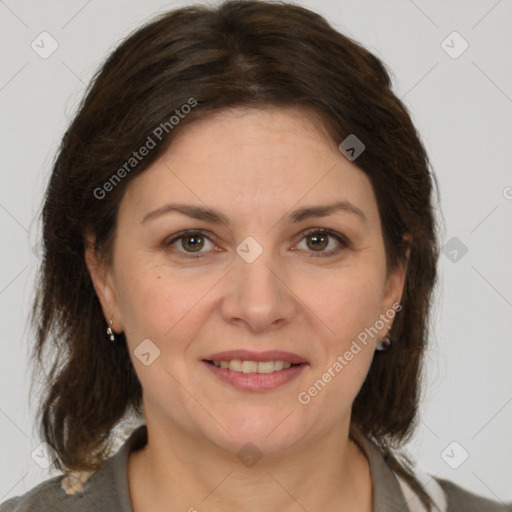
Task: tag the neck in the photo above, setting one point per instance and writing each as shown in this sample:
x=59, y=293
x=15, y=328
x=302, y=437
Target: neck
x=177, y=471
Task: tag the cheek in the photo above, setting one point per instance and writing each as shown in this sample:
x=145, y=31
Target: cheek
x=345, y=351
x=158, y=304
x=346, y=302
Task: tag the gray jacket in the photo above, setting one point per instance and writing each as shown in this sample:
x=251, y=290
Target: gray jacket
x=106, y=490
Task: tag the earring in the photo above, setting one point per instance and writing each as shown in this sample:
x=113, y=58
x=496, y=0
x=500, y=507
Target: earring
x=110, y=332
x=383, y=344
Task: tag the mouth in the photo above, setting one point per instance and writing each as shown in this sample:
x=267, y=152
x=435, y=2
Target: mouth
x=248, y=366
x=255, y=371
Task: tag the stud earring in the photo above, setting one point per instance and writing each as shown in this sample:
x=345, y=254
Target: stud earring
x=110, y=332
x=383, y=344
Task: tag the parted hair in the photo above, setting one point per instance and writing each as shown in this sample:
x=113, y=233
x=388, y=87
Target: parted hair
x=236, y=54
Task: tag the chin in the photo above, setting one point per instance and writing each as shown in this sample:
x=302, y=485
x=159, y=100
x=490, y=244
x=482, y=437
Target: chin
x=267, y=434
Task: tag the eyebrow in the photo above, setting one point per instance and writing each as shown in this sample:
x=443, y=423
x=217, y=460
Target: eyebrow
x=215, y=216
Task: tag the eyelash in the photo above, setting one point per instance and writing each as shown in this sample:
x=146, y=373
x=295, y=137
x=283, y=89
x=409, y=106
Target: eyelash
x=342, y=240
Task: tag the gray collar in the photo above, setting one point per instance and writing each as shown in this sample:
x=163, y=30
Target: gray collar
x=387, y=495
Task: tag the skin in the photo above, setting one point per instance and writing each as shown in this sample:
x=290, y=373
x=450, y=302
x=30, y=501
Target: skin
x=255, y=166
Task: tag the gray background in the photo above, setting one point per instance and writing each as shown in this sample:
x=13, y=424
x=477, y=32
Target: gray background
x=462, y=107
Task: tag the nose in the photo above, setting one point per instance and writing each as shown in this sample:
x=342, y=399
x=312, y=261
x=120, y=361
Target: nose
x=258, y=295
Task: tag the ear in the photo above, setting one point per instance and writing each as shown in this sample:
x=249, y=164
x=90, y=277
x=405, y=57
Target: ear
x=393, y=291
x=103, y=283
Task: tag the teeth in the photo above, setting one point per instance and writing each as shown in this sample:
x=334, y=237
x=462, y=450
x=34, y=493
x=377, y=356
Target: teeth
x=266, y=367
x=237, y=365
x=279, y=365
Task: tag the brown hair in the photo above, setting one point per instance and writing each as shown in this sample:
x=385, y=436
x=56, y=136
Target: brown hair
x=240, y=53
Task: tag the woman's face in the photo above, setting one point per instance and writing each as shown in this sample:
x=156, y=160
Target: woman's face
x=266, y=278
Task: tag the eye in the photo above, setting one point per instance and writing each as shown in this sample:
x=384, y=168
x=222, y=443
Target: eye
x=189, y=243
x=317, y=239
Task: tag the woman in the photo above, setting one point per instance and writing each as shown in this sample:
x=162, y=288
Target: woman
x=240, y=253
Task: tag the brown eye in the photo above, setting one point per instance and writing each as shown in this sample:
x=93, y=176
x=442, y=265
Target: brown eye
x=194, y=243
x=317, y=242
x=189, y=244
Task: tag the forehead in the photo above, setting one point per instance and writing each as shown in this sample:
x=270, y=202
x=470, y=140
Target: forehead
x=256, y=162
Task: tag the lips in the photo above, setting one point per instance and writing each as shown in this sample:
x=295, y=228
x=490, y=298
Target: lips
x=249, y=355
x=256, y=382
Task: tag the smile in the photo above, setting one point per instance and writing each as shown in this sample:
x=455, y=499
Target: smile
x=250, y=376
x=244, y=366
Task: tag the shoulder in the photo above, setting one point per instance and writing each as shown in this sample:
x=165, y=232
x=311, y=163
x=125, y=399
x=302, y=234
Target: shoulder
x=104, y=489
x=463, y=500
x=72, y=493
x=396, y=474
